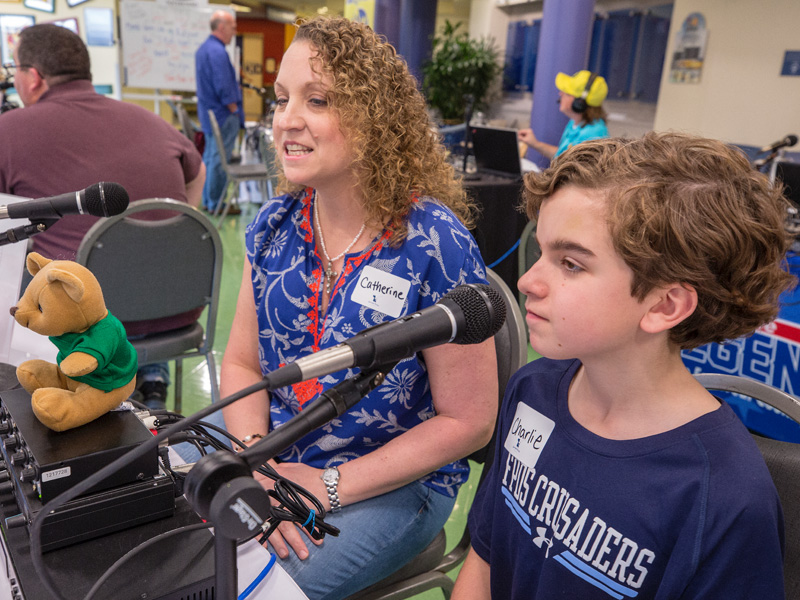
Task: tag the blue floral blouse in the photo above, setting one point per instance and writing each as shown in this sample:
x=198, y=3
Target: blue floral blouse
x=378, y=284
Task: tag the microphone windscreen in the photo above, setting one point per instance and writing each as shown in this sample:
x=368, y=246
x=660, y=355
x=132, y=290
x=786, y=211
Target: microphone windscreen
x=484, y=312
x=791, y=139
x=105, y=199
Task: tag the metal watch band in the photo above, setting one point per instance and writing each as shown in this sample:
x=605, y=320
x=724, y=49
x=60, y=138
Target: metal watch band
x=333, y=493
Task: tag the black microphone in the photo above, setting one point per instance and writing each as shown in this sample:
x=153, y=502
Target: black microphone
x=100, y=200
x=469, y=314
x=787, y=142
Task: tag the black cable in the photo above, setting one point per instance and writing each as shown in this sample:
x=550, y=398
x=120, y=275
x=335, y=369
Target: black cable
x=135, y=550
x=296, y=509
x=288, y=494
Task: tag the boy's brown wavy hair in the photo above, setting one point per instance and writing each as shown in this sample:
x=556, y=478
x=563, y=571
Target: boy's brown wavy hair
x=685, y=209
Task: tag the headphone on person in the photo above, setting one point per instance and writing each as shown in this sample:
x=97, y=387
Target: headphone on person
x=579, y=104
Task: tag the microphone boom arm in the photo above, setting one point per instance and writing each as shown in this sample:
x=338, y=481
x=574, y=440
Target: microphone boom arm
x=23, y=232
x=330, y=404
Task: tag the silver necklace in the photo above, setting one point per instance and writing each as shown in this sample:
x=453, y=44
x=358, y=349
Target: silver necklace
x=330, y=274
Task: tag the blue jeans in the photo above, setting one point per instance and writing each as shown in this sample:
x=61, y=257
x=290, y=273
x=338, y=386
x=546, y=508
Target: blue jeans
x=216, y=179
x=154, y=372
x=378, y=536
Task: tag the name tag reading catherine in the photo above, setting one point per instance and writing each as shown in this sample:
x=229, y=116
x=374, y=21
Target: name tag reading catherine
x=528, y=435
x=381, y=291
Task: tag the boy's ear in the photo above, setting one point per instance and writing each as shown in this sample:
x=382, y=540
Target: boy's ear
x=670, y=305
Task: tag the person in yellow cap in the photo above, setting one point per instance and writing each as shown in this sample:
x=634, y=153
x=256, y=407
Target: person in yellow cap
x=580, y=97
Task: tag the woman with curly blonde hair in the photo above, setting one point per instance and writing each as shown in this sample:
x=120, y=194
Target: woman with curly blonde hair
x=371, y=227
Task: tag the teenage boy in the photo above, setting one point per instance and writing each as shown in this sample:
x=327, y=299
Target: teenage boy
x=617, y=475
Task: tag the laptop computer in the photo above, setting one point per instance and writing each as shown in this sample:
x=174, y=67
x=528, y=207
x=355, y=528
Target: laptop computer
x=496, y=151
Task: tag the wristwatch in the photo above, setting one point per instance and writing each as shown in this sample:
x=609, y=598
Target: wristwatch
x=330, y=477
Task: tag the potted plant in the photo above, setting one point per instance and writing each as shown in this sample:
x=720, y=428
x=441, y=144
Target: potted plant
x=459, y=68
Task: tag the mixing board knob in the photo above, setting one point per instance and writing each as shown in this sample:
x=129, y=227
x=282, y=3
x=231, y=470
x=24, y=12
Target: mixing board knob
x=29, y=473
x=11, y=442
x=20, y=457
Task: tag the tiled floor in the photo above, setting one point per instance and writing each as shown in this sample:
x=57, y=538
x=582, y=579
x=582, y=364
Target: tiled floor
x=624, y=119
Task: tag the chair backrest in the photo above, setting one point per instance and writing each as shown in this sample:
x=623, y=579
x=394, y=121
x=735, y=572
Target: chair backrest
x=155, y=269
x=511, y=348
x=783, y=462
x=266, y=149
x=511, y=342
x=528, y=253
x=223, y=157
x=787, y=404
x=185, y=122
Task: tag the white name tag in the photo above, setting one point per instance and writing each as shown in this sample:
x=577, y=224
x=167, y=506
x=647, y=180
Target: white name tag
x=381, y=291
x=528, y=435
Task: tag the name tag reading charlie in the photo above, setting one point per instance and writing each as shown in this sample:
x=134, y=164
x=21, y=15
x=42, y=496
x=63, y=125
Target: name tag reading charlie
x=381, y=291
x=528, y=435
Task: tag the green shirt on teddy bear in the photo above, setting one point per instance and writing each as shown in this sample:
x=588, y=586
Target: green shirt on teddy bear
x=107, y=341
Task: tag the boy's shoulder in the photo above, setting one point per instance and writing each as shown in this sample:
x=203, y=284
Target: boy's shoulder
x=543, y=369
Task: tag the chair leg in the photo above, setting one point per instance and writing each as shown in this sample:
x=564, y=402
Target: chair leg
x=447, y=590
x=234, y=199
x=263, y=189
x=212, y=376
x=223, y=200
x=270, y=192
x=178, y=385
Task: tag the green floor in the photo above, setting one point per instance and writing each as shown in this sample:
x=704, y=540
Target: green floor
x=196, y=387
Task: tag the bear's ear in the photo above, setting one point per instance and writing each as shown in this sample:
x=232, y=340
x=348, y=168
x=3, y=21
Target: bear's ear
x=35, y=262
x=73, y=285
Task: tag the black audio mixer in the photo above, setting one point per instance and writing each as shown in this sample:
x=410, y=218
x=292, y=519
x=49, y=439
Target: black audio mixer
x=83, y=538
x=41, y=463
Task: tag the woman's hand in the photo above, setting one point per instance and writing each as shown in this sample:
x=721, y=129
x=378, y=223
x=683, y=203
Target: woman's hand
x=289, y=534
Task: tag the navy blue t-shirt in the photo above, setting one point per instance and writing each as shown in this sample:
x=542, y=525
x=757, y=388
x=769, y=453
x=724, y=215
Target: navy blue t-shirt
x=564, y=513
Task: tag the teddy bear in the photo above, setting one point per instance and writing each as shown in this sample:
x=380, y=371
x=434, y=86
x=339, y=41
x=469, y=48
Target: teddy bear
x=96, y=368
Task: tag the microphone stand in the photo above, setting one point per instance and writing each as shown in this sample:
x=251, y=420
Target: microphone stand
x=17, y=234
x=469, y=99
x=221, y=488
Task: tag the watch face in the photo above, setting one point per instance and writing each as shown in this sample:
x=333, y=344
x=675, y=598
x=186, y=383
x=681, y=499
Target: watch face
x=330, y=476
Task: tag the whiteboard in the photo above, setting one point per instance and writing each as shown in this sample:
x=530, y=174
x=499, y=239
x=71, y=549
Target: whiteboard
x=159, y=42
x=12, y=263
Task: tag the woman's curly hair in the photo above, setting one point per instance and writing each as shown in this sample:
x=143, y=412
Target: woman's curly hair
x=398, y=151
x=684, y=209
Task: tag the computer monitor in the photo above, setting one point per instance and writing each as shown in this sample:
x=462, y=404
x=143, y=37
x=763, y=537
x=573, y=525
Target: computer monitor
x=496, y=151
